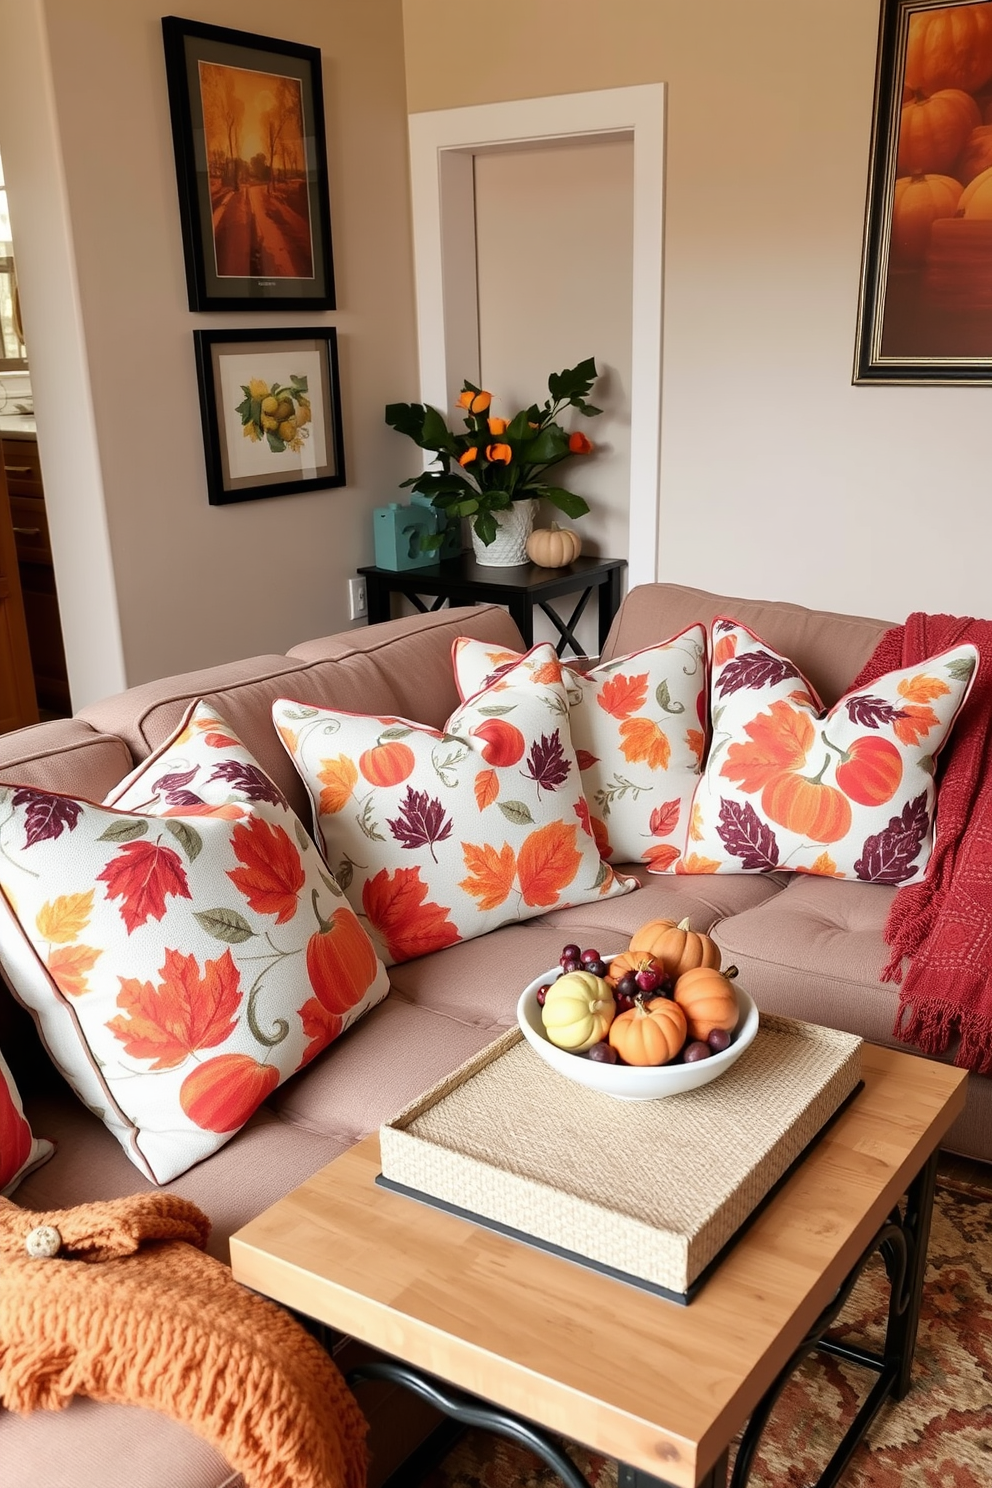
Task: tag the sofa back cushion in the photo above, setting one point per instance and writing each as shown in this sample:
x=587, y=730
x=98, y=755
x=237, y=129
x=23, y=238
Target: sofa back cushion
x=829, y=649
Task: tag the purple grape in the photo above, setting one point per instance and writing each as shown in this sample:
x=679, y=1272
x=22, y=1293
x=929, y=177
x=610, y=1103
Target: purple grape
x=718, y=1040
x=571, y=952
x=647, y=980
x=589, y=955
x=596, y=968
x=628, y=984
x=567, y=966
x=602, y=1054
x=695, y=1051
x=542, y=993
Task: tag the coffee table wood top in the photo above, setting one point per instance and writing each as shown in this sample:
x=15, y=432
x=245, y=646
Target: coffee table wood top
x=662, y=1387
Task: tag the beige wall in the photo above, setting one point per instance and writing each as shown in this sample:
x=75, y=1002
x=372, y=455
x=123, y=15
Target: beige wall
x=84, y=126
x=779, y=478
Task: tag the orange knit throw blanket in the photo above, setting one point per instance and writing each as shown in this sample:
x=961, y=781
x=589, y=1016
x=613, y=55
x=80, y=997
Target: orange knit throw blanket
x=132, y=1311
x=943, y=924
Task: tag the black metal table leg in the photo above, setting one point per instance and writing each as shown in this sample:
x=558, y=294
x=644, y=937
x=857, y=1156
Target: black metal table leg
x=566, y=628
x=377, y=599
x=610, y=595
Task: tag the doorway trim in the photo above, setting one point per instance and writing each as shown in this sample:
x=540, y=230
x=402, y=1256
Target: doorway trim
x=443, y=146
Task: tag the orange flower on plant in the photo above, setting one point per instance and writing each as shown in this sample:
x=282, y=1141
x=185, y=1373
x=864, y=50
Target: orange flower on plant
x=497, y=452
x=497, y=425
x=578, y=444
x=469, y=455
x=475, y=402
x=780, y=741
x=642, y=739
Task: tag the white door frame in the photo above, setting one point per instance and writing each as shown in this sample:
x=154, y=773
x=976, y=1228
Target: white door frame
x=443, y=144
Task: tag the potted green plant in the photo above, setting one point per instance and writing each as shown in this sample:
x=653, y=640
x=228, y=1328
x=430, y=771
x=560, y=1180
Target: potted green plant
x=494, y=471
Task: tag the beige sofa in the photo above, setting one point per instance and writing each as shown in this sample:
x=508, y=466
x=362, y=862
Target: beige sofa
x=804, y=946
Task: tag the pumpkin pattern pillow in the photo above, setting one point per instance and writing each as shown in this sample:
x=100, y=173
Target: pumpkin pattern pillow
x=20, y=1151
x=181, y=960
x=439, y=835
x=845, y=794
x=637, y=726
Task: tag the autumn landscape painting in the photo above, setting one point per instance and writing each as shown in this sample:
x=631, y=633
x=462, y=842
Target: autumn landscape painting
x=256, y=162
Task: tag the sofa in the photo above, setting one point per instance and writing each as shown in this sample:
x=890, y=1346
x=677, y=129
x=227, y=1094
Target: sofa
x=805, y=946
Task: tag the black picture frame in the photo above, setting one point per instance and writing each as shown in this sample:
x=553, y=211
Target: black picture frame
x=256, y=226
x=925, y=301
x=239, y=371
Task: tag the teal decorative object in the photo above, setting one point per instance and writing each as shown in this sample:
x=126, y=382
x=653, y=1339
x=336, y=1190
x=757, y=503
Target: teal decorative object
x=397, y=531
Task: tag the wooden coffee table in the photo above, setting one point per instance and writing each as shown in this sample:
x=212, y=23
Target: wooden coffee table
x=498, y=1333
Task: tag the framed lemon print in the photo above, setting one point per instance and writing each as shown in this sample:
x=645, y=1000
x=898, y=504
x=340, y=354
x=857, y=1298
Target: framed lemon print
x=925, y=311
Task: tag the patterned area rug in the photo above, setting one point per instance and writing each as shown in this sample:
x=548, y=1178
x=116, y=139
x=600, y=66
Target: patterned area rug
x=940, y=1436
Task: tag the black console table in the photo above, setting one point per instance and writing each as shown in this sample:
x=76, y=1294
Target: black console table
x=462, y=581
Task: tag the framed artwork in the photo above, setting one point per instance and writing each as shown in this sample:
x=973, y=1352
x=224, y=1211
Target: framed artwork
x=270, y=406
x=925, y=312
x=251, y=163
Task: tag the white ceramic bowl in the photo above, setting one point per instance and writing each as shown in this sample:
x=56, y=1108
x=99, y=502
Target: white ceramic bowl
x=627, y=1081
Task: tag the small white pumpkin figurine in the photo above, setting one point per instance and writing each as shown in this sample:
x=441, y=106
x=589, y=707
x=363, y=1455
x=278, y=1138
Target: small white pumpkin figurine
x=554, y=546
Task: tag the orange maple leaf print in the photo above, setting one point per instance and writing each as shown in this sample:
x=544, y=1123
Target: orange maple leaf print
x=621, y=696
x=491, y=873
x=922, y=689
x=184, y=1013
x=661, y=857
x=694, y=742
x=823, y=866
x=65, y=918
x=271, y=873
x=141, y=874
x=320, y=1026
x=581, y=809
x=601, y=835
x=724, y=649
x=547, y=862
x=69, y=966
x=548, y=671
x=486, y=788
x=339, y=777
x=780, y=741
x=694, y=863
x=642, y=739
x=914, y=724
x=394, y=903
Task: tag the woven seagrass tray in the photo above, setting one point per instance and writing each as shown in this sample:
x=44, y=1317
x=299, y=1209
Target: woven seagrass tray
x=651, y=1191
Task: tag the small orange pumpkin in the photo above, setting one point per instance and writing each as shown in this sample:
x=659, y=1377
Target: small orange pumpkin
x=808, y=807
x=678, y=948
x=632, y=961
x=387, y=764
x=651, y=1033
x=708, y=1000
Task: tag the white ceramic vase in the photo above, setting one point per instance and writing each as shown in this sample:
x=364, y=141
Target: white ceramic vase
x=509, y=548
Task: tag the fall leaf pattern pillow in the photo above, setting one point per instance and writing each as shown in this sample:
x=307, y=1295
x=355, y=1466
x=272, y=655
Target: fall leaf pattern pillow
x=844, y=794
x=637, y=726
x=181, y=960
x=20, y=1152
x=440, y=835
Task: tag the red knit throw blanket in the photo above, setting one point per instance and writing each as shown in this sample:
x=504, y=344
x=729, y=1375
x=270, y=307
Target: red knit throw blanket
x=943, y=924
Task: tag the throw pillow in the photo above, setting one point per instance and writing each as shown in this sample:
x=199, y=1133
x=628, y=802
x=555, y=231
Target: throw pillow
x=440, y=835
x=20, y=1152
x=637, y=726
x=181, y=960
x=846, y=794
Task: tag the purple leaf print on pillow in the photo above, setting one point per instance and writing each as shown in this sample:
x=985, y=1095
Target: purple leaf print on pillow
x=747, y=837
x=421, y=821
x=184, y=798
x=869, y=712
x=252, y=782
x=175, y=781
x=754, y=669
x=546, y=763
x=889, y=857
x=46, y=816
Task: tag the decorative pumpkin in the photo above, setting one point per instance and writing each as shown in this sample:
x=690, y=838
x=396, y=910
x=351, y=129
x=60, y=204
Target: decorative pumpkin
x=976, y=155
x=503, y=743
x=387, y=764
x=708, y=1001
x=870, y=771
x=916, y=204
x=220, y=1094
x=933, y=131
x=578, y=1010
x=950, y=47
x=340, y=961
x=651, y=1033
x=632, y=961
x=808, y=807
x=976, y=198
x=678, y=948
x=554, y=546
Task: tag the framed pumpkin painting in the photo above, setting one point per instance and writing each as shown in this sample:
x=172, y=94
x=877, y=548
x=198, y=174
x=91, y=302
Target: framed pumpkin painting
x=251, y=165
x=925, y=312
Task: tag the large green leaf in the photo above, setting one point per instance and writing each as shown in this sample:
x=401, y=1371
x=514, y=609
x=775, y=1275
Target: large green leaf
x=485, y=527
x=551, y=444
x=566, y=501
x=573, y=382
x=436, y=434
